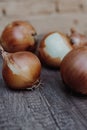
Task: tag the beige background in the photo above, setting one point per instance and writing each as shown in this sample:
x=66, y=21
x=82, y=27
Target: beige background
x=46, y=15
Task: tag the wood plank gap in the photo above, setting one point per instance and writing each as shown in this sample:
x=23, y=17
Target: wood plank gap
x=48, y=105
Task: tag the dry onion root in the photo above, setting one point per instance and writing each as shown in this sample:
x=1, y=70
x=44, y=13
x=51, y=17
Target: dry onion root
x=53, y=47
x=74, y=70
x=18, y=36
x=21, y=70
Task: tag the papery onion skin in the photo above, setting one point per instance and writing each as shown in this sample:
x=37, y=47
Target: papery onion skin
x=45, y=57
x=74, y=70
x=77, y=39
x=18, y=36
x=21, y=70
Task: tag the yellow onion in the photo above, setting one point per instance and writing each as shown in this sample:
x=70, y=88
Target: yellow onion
x=21, y=69
x=18, y=36
x=53, y=47
x=77, y=39
x=74, y=70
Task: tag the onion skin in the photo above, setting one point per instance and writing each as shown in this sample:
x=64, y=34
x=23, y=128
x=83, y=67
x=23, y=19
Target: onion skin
x=74, y=70
x=21, y=70
x=18, y=36
x=45, y=57
x=77, y=39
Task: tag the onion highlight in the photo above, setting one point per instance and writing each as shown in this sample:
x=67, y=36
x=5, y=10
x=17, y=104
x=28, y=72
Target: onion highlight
x=18, y=36
x=53, y=47
x=21, y=70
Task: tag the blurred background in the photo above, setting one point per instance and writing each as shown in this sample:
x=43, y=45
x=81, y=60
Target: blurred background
x=46, y=15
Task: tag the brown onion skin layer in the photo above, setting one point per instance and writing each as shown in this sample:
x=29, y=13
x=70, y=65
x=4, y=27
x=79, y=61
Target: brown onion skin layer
x=45, y=57
x=22, y=59
x=74, y=70
x=77, y=39
x=18, y=36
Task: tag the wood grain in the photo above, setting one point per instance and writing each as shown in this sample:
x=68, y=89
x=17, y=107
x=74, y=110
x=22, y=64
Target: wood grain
x=40, y=7
x=29, y=7
x=72, y=5
x=48, y=23
x=61, y=106
x=50, y=107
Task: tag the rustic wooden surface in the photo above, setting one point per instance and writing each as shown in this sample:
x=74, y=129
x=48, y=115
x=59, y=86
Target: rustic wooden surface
x=52, y=106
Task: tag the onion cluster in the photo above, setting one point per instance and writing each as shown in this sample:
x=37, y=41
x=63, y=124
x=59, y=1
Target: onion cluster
x=21, y=68
x=73, y=67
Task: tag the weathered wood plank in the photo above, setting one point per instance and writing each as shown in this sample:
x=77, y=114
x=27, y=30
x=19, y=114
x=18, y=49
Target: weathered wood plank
x=29, y=7
x=64, y=111
x=84, y=5
x=24, y=110
x=71, y=5
x=38, y=7
x=80, y=102
x=55, y=22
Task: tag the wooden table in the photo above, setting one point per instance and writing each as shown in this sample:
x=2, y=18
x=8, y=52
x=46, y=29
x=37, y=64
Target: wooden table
x=51, y=106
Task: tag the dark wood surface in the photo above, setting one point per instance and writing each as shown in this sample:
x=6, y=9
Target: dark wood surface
x=50, y=107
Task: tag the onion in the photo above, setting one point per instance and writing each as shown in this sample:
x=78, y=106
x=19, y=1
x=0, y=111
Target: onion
x=77, y=39
x=53, y=47
x=21, y=69
x=74, y=70
x=18, y=36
